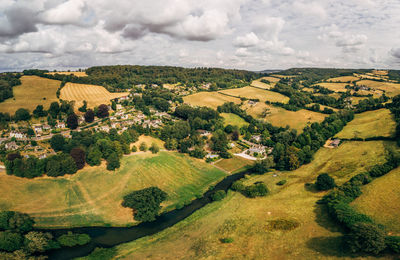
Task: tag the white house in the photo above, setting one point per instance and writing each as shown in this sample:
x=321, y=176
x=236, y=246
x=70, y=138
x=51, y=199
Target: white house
x=17, y=135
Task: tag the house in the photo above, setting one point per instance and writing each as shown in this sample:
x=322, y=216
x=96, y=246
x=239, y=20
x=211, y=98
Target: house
x=119, y=106
x=256, y=138
x=46, y=127
x=203, y=132
x=122, y=99
x=335, y=143
x=42, y=156
x=17, y=135
x=60, y=125
x=212, y=156
x=38, y=129
x=105, y=128
x=81, y=120
x=252, y=102
x=124, y=116
x=259, y=149
x=11, y=146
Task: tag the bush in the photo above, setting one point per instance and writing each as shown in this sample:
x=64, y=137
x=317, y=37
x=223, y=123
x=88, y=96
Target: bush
x=143, y=147
x=70, y=239
x=348, y=216
x=366, y=238
x=258, y=189
x=154, y=148
x=325, y=182
x=238, y=186
x=282, y=182
x=10, y=241
x=393, y=243
x=218, y=195
x=226, y=240
x=134, y=149
x=16, y=221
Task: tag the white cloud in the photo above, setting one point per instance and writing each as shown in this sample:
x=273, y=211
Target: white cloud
x=248, y=40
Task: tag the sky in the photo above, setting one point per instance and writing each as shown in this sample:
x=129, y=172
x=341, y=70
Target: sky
x=242, y=34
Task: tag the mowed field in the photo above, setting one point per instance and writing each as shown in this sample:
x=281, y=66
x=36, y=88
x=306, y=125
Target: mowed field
x=370, y=124
x=337, y=87
x=248, y=221
x=93, y=94
x=75, y=73
x=209, y=99
x=256, y=93
x=391, y=89
x=33, y=91
x=278, y=116
x=93, y=196
x=343, y=79
x=257, y=83
x=233, y=119
x=233, y=164
x=381, y=201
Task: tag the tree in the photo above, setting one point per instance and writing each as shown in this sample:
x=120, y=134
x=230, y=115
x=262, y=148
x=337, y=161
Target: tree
x=83, y=107
x=79, y=157
x=113, y=162
x=261, y=167
x=218, y=195
x=54, y=109
x=325, y=182
x=235, y=135
x=37, y=241
x=16, y=221
x=57, y=142
x=39, y=112
x=102, y=111
x=10, y=241
x=258, y=189
x=70, y=239
x=143, y=147
x=89, y=116
x=22, y=114
x=154, y=148
x=72, y=121
x=367, y=238
x=145, y=203
x=94, y=156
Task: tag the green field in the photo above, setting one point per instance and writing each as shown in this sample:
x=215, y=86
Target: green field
x=93, y=196
x=381, y=201
x=370, y=124
x=247, y=220
x=233, y=164
x=233, y=119
x=33, y=91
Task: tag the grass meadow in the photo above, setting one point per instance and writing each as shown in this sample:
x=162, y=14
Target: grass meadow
x=256, y=93
x=33, y=91
x=93, y=196
x=233, y=119
x=249, y=222
x=343, y=79
x=391, y=89
x=233, y=164
x=370, y=124
x=209, y=99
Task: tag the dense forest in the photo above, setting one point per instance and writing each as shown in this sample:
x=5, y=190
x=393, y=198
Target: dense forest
x=7, y=82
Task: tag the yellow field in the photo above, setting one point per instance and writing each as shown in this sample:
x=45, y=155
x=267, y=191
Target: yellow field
x=343, y=79
x=262, y=95
x=93, y=195
x=337, y=87
x=246, y=220
x=370, y=124
x=278, y=116
x=233, y=119
x=257, y=83
x=75, y=73
x=233, y=164
x=93, y=94
x=282, y=76
x=381, y=201
x=391, y=89
x=322, y=107
x=149, y=140
x=209, y=99
x=33, y=91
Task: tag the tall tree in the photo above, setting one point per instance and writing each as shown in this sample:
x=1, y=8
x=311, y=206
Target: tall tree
x=102, y=111
x=89, y=116
x=79, y=157
x=72, y=121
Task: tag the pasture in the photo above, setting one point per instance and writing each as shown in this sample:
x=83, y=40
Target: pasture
x=257, y=83
x=233, y=119
x=256, y=93
x=247, y=221
x=148, y=140
x=370, y=124
x=75, y=73
x=233, y=164
x=390, y=89
x=381, y=201
x=337, y=87
x=93, y=94
x=33, y=91
x=93, y=196
x=343, y=79
x=278, y=116
x=209, y=99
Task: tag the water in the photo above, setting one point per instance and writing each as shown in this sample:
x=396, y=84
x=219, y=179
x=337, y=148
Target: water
x=111, y=236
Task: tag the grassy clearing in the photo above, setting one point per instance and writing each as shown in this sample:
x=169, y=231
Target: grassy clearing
x=75, y=73
x=255, y=225
x=281, y=117
x=343, y=79
x=233, y=119
x=391, y=89
x=337, y=87
x=256, y=93
x=322, y=107
x=370, y=124
x=33, y=91
x=233, y=164
x=93, y=196
x=93, y=94
x=257, y=83
x=381, y=201
x=209, y=99
x=148, y=140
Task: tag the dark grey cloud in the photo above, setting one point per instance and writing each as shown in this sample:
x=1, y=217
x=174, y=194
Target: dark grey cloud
x=18, y=20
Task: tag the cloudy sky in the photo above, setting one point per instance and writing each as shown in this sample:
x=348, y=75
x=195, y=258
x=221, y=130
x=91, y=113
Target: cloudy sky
x=244, y=34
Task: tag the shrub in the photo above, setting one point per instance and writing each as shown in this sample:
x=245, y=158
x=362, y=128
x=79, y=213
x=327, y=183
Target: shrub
x=258, y=189
x=143, y=147
x=154, y=148
x=10, y=241
x=238, y=186
x=70, y=239
x=325, y=182
x=134, y=149
x=367, y=238
x=348, y=216
x=393, y=243
x=282, y=182
x=16, y=221
x=226, y=240
x=218, y=195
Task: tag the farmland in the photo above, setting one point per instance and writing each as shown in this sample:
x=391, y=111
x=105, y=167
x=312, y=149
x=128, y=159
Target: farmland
x=255, y=93
x=343, y=79
x=370, y=124
x=257, y=83
x=232, y=119
x=391, y=89
x=381, y=201
x=337, y=87
x=233, y=164
x=209, y=99
x=93, y=195
x=75, y=73
x=94, y=95
x=246, y=220
x=32, y=92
